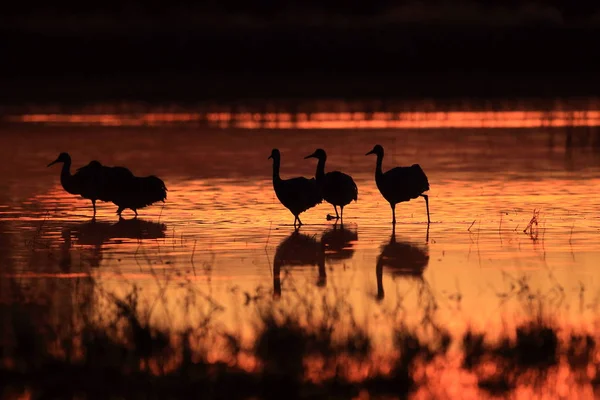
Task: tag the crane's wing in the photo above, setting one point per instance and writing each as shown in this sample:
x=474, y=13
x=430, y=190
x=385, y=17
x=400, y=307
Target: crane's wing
x=302, y=193
x=342, y=183
x=89, y=179
x=412, y=177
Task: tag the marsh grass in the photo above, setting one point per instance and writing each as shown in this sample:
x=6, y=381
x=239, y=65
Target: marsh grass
x=532, y=227
x=298, y=352
x=305, y=345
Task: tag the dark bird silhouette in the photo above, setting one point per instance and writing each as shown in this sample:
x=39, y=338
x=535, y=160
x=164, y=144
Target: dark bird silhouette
x=111, y=184
x=337, y=242
x=401, y=259
x=109, y=180
x=401, y=183
x=337, y=188
x=139, y=192
x=298, y=250
x=296, y=194
x=86, y=181
x=120, y=186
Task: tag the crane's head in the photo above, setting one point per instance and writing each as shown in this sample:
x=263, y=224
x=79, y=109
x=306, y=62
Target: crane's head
x=377, y=150
x=274, y=154
x=319, y=154
x=62, y=157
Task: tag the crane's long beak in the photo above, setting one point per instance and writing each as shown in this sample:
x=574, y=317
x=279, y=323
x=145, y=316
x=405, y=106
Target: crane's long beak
x=52, y=163
x=310, y=156
x=270, y=157
x=371, y=152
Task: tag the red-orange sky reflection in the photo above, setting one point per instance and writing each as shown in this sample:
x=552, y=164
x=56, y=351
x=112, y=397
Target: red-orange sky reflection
x=219, y=233
x=329, y=120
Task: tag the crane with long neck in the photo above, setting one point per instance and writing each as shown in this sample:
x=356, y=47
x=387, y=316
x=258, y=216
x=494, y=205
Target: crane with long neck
x=338, y=189
x=296, y=194
x=401, y=183
x=85, y=182
x=112, y=184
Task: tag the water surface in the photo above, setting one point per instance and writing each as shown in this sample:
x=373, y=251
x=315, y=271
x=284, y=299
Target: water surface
x=223, y=231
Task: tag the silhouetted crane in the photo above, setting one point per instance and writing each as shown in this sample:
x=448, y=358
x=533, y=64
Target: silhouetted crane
x=296, y=194
x=120, y=186
x=85, y=182
x=140, y=192
x=115, y=184
x=337, y=188
x=401, y=183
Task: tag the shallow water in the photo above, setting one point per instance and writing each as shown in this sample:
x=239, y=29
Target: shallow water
x=223, y=229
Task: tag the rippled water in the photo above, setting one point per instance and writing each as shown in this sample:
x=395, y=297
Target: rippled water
x=223, y=229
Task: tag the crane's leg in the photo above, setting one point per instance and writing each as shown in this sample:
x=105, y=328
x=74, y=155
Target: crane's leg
x=394, y=214
x=342, y=214
x=379, y=275
x=94, y=206
x=426, y=197
x=119, y=211
x=135, y=211
x=299, y=222
x=295, y=219
x=337, y=216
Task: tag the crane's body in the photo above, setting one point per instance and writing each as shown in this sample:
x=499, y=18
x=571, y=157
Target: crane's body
x=296, y=194
x=111, y=184
x=338, y=188
x=400, y=184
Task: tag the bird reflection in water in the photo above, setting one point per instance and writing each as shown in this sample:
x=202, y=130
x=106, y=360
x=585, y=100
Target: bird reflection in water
x=96, y=233
x=65, y=251
x=401, y=259
x=338, y=243
x=298, y=250
x=302, y=250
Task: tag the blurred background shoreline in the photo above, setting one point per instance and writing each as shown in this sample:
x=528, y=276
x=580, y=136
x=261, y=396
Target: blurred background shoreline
x=225, y=51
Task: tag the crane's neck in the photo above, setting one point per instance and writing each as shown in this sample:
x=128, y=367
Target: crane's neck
x=320, y=174
x=66, y=179
x=65, y=173
x=276, y=163
x=378, y=171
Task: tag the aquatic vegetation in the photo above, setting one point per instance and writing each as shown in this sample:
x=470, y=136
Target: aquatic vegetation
x=532, y=227
x=302, y=351
x=193, y=303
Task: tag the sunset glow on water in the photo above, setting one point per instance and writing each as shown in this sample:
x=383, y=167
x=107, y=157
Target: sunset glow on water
x=223, y=232
x=329, y=120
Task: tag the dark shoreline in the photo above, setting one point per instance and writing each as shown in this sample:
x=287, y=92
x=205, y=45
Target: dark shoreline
x=401, y=62
x=228, y=90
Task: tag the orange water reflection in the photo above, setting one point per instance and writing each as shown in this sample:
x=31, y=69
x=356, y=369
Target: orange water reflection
x=223, y=232
x=329, y=120
x=481, y=262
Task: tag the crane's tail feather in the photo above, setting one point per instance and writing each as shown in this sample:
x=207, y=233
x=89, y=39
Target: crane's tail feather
x=140, y=192
x=151, y=189
x=420, y=177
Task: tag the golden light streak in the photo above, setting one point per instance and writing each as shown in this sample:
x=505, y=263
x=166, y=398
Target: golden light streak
x=235, y=225
x=330, y=120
